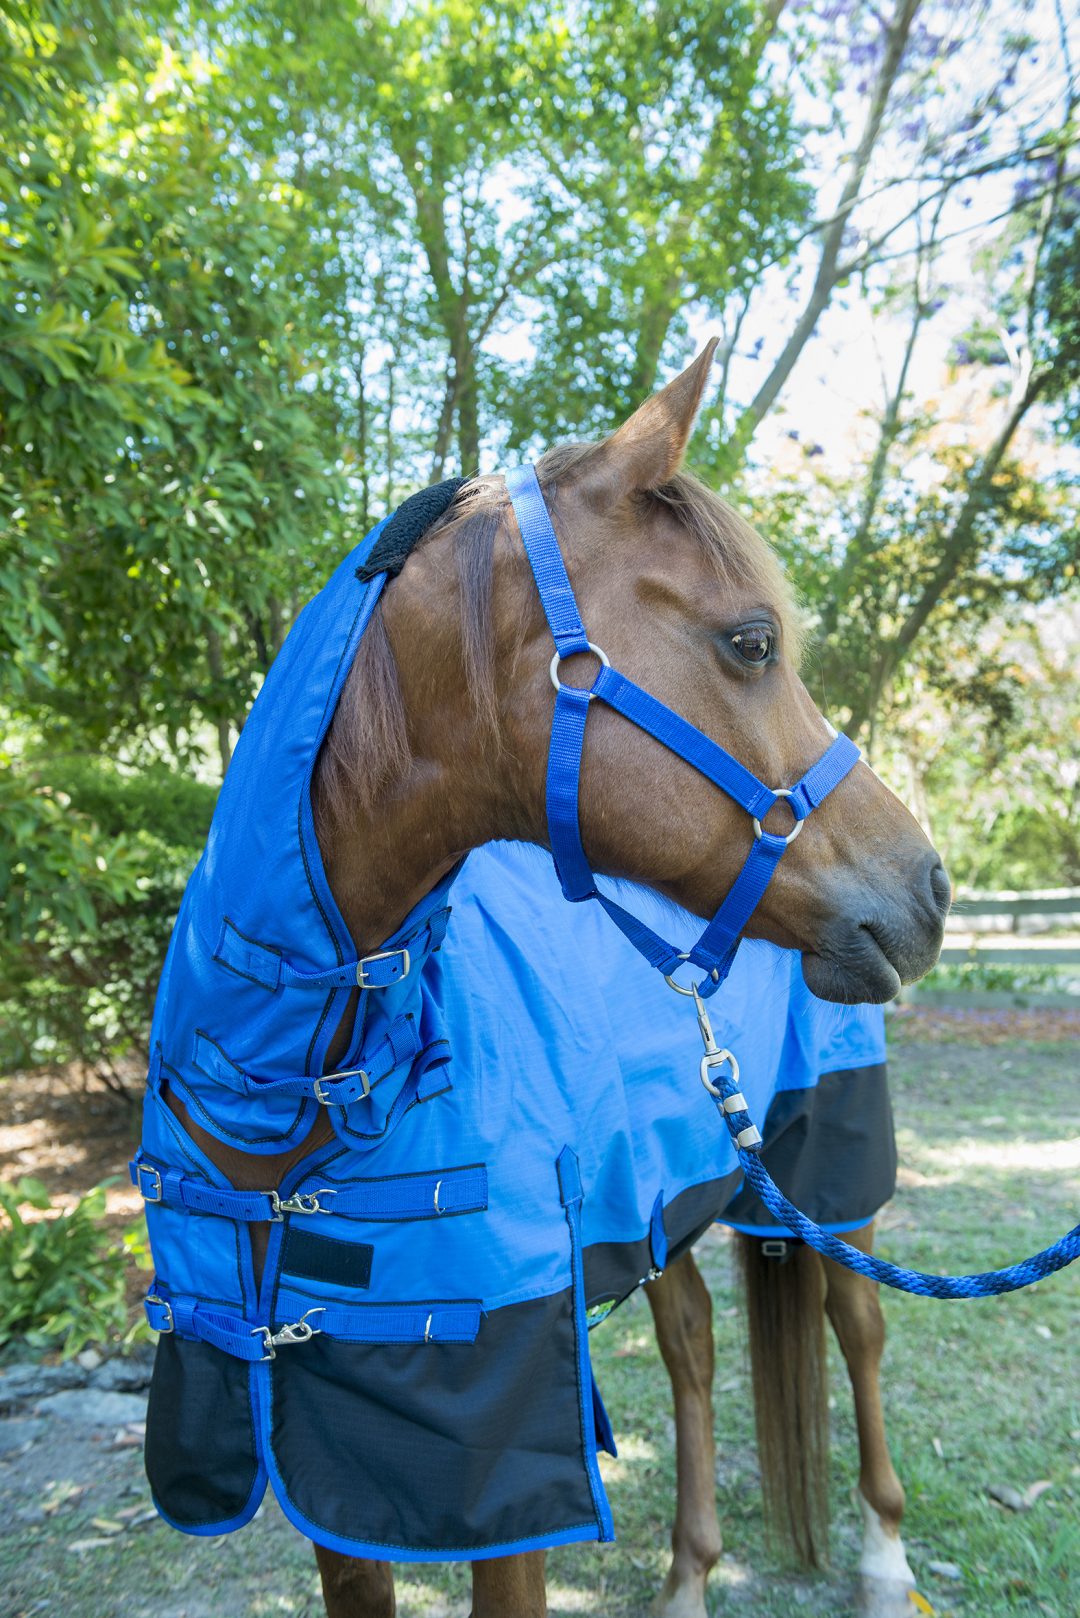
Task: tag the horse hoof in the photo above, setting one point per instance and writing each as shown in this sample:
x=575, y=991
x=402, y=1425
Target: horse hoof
x=885, y=1598
x=680, y=1601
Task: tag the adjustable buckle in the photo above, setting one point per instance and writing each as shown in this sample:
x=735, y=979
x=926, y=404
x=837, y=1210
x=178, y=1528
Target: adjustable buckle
x=162, y=1303
x=155, y=1193
x=298, y=1332
x=301, y=1202
x=383, y=955
x=360, y=1073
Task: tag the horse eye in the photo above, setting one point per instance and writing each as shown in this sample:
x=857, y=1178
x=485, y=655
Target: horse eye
x=754, y=644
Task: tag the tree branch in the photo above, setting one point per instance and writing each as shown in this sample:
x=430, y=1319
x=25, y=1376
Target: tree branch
x=828, y=272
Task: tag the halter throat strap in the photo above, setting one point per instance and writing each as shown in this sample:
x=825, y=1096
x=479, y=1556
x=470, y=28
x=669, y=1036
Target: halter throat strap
x=715, y=949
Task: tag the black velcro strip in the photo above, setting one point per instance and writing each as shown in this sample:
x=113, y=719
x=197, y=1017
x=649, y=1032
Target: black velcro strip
x=324, y=1258
x=409, y=523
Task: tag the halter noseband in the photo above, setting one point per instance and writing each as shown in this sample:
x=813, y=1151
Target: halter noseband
x=715, y=949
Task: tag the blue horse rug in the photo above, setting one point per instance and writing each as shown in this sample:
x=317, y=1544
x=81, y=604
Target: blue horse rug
x=520, y=1140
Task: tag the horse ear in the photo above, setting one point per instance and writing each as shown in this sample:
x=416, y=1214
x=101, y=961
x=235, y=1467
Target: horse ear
x=648, y=448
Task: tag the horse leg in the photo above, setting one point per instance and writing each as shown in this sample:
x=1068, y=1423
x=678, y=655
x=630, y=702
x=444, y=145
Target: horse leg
x=510, y=1587
x=682, y=1312
x=354, y=1588
x=854, y=1311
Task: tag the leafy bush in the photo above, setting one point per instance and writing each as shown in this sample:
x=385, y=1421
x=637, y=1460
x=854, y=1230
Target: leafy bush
x=61, y=1276
x=93, y=879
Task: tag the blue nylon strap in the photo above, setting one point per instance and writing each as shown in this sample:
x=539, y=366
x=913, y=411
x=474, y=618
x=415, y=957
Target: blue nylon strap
x=412, y=1196
x=563, y=779
x=740, y=902
x=684, y=740
x=379, y=971
x=400, y=1044
x=821, y=777
x=204, y=1322
x=545, y=559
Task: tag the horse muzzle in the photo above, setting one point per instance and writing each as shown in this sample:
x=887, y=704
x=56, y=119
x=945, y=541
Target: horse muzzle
x=874, y=943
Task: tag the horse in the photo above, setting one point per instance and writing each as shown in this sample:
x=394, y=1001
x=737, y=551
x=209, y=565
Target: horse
x=433, y=745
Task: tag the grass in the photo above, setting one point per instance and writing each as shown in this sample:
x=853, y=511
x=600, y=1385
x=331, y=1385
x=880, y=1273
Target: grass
x=978, y=1394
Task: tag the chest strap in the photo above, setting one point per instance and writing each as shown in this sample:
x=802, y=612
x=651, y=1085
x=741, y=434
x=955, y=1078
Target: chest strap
x=400, y=1044
x=202, y=1321
x=412, y=1196
x=265, y=964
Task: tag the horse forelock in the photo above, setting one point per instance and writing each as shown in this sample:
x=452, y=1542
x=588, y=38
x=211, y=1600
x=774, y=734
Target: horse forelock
x=367, y=745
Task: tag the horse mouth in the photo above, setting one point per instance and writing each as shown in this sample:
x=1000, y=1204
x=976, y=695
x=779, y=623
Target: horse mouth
x=860, y=973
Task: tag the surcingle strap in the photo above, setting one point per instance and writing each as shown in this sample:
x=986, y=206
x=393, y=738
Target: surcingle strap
x=406, y=526
x=408, y=1196
x=204, y=1322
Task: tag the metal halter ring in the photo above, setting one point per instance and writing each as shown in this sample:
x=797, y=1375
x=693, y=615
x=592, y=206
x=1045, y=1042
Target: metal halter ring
x=553, y=667
x=694, y=989
x=780, y=792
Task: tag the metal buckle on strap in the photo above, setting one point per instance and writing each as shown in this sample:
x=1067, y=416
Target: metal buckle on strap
x=162, y=1303
x=383, y=955
x=155, y=1193
x=301, y=1202
x=298, y=1332
x=343, y=1073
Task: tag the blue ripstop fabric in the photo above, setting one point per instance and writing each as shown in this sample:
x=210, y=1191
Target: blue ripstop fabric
x=519, y=1140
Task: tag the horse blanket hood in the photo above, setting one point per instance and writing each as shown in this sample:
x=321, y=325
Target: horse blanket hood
x=520, y=1139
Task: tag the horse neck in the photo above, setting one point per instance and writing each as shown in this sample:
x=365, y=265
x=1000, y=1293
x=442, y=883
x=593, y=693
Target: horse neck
x=466, y=781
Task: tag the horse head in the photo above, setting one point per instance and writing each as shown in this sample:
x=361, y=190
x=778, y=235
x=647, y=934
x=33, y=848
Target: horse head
x=441, y=739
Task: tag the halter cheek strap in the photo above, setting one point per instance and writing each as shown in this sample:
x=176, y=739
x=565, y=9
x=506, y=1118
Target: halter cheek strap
x=715, y=950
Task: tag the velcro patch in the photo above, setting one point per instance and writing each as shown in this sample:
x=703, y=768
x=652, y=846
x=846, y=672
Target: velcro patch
x=325, y=1258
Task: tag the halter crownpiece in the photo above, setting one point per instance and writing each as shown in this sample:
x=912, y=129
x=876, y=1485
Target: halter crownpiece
x=715, y=950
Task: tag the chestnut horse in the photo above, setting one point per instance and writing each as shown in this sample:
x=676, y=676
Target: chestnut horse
x=433, y=753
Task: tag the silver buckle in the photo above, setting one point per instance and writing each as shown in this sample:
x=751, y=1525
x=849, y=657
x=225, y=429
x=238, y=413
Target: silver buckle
x=301, y=1202
x=383, y=955
x=148, y=1168
x=342, y=1073
x=298, y=1332
x=163, y=1303
x=780, y=792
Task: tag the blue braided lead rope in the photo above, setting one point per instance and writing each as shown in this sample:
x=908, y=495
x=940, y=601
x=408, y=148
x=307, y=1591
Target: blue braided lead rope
x=985, y=1285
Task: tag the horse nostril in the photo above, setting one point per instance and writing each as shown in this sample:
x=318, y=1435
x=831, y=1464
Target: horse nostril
x=941, y=887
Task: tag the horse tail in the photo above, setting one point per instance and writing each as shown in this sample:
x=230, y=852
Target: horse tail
x=785, y=1296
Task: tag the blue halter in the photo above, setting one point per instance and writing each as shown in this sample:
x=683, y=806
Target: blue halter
x=715, y=949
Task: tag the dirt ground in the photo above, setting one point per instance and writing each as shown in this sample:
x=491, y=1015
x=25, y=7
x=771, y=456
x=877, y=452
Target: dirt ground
x=982, y=1397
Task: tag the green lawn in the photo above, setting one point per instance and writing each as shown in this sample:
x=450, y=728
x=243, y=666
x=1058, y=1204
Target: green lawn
x=978, y=1394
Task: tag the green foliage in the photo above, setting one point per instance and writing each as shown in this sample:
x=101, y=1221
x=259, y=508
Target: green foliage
x=61, y=1276
x=990, y=975
x=163, y=492
x=97, y=876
